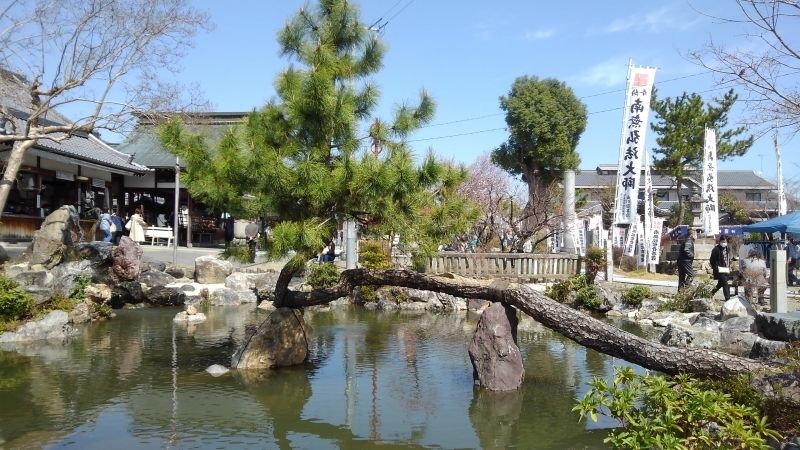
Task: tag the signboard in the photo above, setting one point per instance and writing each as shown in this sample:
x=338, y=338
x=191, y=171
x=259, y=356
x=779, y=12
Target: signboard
x=62, y=175
x=630, y=241
x=710, y=210
x=635, y=117
x=554, y=242
x=641, y=246
x=580, y=237
x=654, y=243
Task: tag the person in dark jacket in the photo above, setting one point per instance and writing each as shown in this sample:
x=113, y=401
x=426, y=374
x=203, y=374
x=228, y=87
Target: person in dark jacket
x=720, y=264
x=685, y=261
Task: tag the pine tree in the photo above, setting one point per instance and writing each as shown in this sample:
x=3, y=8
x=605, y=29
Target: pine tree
x=303, y=156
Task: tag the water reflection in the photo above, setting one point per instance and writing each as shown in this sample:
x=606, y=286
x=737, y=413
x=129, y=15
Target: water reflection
x=389, y=379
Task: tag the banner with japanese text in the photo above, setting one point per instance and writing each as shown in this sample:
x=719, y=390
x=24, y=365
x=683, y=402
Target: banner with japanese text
x=630, y=240
x=580, y=237
x=709, y=216
x=635, y=123
x=596, y=228
x=619, y=236
x=554, y=242
x=649, y=208
x=641, y=246
x=654, y=252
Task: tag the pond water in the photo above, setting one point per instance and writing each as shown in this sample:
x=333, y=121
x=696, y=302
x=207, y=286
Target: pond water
x=392, y=380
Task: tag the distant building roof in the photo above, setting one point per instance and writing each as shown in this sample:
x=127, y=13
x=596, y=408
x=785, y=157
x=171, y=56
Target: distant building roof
x=146, y=148
x=605, y=175
x=79, y=147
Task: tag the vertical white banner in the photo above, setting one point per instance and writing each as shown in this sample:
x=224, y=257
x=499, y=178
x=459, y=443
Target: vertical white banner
x=710, y=211
x=782, y=209
x=619, y=236
x=596, y=228
x=630, y=240
x=648, y=204
x=637, y=110
x=654, y=252
x=641, y=246
x=580, y=236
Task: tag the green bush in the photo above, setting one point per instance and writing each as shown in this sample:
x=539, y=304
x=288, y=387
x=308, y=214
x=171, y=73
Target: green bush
x=635, y=295
x=595, y=262
x=679, y=412
x=560, y=290
x=629, y=263
x=323, y=275
x=371, y=255
x=589, y=298
x=15, y=303
x=682, y=300
x=81, y=282
x=238, y=253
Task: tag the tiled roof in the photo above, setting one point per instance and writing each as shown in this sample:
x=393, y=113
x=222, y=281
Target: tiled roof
x=728, y=179
x=81, y=147
x=144, y=145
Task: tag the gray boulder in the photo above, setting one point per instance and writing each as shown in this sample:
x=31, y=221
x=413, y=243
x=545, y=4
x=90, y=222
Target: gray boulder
x=210, y=270
x=477, y=305
x=127, y=260
x=152, y=278
x=175, y=271
x=496, y=359
x=703, y=305
x=679, y=336
x=611, y=298
x=647, y=308
x=98, y=253
x=165, y=296
x=664, y=318
x=229, y=297
x=737, y=307
x=765, y=348
x=154, y=266
x=240, y=281
x=126, y=292
x=779, y=326
x=81, y=313
x=217, y=370
x=281, y=340
x=739, y=325
x=706, y=323
x=52, y=238
x=264, y=286
x=53, y=326
x=41, y=278
x=736, y=343
x=65, y=274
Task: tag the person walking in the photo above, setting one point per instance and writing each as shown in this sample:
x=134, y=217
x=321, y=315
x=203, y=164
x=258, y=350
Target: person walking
x=754, y=274
x=105, y=225
x=792, y=261
x=685, y=260
x=136, y=225
x=117, y=220
x=720, y=264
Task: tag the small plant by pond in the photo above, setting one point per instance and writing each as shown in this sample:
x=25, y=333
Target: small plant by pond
x=323, y=275
x=15, y=304
x=681, y=301
x=238, y=253
x=588, y=297
x=634, y=295
x=678, y=412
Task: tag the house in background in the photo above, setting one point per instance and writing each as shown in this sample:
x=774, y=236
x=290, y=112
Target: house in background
x=80, y=170
x=155, y=192
x=758, y=196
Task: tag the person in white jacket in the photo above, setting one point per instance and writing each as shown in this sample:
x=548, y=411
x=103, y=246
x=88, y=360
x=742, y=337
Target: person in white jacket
x=136, y=225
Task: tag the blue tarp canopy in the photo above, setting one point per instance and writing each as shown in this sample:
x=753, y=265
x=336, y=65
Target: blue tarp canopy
x=788, y=223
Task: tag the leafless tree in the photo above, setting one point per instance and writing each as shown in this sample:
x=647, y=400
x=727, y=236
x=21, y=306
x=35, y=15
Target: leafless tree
x=768, y=66
x=100, y=59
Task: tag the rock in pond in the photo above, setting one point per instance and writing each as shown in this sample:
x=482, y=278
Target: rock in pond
x=210, y=270
x=166, y=296
x=496, y=359
x=53, y=326
x=52, y=238
x=127, y=258
x=281, y=340
x=679, y=336
x=217, y=370
x=152, y=278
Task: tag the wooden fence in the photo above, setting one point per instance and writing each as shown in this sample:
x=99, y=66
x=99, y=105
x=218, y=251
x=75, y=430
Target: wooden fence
x=506, y=265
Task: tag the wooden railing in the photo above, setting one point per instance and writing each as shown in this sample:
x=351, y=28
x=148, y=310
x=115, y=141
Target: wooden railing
x=506, y=265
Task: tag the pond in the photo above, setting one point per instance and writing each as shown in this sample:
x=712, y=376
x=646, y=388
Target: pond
x=394, y=380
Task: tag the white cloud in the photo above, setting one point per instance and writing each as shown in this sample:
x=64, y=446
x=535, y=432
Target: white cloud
x=667, y=18
x=540, y=34
x=608, y=73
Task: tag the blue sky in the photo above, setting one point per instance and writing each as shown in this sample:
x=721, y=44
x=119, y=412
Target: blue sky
x=466, y=54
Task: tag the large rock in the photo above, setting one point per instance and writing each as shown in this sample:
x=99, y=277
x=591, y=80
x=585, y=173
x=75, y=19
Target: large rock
x=153, y=279
x=737, y=343
x=779, y=326
x=41, y=278
x=496, y=359
x=240, y=281
x=66, y=274
x=679, y=336
x=281, y=340
x=97, y=293
x=229, y=297
x=210, y=270
x=647, y=308
x=664, y=318
x=165, y=296
x=154, y=266
x=53, y=326
x=737, y=307
x=765, y=348
x=706, y=323
x=127, y=260
x=55, y=235
x=703, y=305
x=745, y=324
x=98, y=253
x=82, y=313
x=190, y=316
x=126, y=292
x=175, y=271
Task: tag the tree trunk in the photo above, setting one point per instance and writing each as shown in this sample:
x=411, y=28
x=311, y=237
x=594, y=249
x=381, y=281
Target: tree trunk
x=573, y=324
x=681, y=204
x=12, y=168
x=289, y=270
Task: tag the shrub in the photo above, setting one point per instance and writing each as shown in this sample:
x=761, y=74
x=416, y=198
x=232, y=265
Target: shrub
x=629, y=263
x=560, y=290
x=81, y=282
x=15, y=303
x=679, y=412
x=616, y=254
x=588, y=297
x=595, y=262
x=682, y=300
x=238, y=253
x=61, y=302
x=636, y=294
x=372, y=255
x=323, y=276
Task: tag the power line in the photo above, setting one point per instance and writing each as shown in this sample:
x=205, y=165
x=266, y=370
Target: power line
x=380, y=24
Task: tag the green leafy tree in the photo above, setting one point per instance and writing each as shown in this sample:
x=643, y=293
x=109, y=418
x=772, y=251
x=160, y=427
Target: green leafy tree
x=304, y=155
x=545, y=122
x=737, y=214
x=680, y=124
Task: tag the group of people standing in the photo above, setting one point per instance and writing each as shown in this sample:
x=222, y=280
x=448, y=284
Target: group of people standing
x=752, y=269
x=113, y=226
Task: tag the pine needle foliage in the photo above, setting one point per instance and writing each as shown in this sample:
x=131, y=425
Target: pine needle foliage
x=315, y=155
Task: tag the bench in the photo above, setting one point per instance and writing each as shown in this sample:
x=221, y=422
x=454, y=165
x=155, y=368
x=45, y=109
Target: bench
x=159, y=233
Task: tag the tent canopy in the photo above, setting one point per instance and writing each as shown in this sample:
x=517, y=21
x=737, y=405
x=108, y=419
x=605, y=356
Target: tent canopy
x=788, y=223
